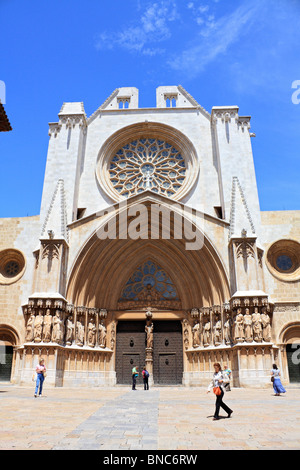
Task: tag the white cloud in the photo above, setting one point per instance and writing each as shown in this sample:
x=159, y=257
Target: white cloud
x=153, y=27
x=214, y=38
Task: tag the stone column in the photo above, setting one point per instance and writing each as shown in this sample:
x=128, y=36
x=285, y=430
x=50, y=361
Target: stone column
x=149, y=345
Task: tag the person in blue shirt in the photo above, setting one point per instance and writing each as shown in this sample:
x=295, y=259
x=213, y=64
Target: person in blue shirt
x=135, y=374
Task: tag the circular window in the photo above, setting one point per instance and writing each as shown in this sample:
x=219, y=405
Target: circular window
x=284, y=263
x=147, y=164
x=12, y=266
x=283, y=259
x=147, y=156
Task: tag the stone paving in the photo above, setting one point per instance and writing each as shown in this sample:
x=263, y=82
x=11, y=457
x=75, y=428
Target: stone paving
x=163, y=418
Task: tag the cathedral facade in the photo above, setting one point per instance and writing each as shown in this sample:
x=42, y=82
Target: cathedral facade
x=150, y=249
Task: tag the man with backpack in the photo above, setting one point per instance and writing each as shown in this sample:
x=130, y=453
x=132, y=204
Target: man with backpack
x=145, y=378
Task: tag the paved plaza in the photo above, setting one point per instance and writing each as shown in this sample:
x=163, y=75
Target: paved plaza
x=163, y=418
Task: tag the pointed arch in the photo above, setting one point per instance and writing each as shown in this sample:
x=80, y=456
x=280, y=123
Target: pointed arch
x=102, y=268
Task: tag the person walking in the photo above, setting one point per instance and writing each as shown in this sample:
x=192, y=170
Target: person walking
x=40, y=377
x=135, y=374
x=227, y=372
x=145, y=378
x=275, y=378
x=218, y=381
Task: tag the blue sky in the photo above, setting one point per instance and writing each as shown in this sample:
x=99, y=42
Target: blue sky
x=223, y=52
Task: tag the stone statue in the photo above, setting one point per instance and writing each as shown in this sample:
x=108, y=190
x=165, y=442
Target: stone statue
x=47, y=326
x=239, y=334
x=257, y=326
x=38, y=327
x=102, y=335
x=206, y=333
x=266, y=325
x=80, y=333
x=69, y=330
x=248, y=326
x=57, y=332
x=29, y=328
x=186, y=333
x=196, y=335
x=217, y=331
x=149, y=334
x=112, y=335
x=91, y=333
x=227, y=329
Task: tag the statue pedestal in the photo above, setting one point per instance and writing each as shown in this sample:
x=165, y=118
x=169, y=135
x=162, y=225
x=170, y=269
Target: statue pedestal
x=149, y=364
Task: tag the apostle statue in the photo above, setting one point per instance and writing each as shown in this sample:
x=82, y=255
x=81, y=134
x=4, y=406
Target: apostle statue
x=196, y=335
x=257, y=325
x=79, y=333
x=102, y=335
x=266, y=325
x=69, y=330
x=91, y=333
x=47, y=326
x=206, y=333
x=58, y=328
x=217, y=331
x=38, y=327
x=29, y=328
x=248, y=326
x=227, y=329
x=239, y=334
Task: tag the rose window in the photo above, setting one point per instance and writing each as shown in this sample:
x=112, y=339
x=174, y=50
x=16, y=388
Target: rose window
x=147, y=164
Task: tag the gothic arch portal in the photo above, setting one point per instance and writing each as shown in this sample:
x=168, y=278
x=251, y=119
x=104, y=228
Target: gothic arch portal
x=103, y=266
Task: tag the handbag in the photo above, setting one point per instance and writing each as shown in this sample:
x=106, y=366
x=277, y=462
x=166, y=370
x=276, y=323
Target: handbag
x=217, y=390
x=272, y=378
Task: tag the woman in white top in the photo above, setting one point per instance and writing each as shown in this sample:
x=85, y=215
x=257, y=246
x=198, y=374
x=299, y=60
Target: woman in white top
x=218, y=383
x=40, y=377
x=277, y=385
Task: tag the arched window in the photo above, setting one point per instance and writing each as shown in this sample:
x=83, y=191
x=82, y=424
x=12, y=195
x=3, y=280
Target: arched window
x=149, y=281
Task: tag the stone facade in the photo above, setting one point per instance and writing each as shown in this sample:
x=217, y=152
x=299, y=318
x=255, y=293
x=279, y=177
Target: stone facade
x=150, y=215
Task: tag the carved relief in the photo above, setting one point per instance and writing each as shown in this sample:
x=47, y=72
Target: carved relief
x=112, y=335
x=50, y=251
x=186, y=333
x=245, y=249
